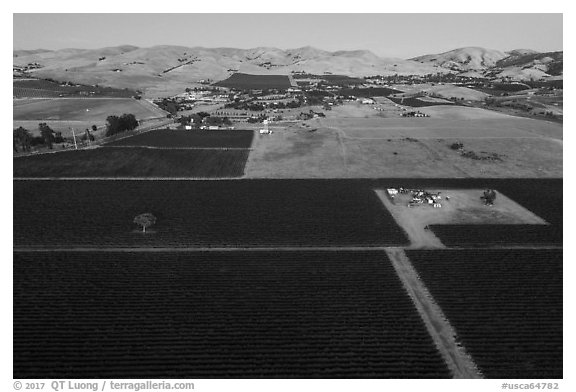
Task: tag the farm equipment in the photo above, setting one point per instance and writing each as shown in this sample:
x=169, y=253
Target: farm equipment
x=419, y=197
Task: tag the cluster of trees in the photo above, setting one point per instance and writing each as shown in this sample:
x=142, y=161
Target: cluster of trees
x=258, y=106
x=87, y=135
x=115, y=124
x=215, y=120
x=47, y=134
x=169, y=105
x=246, y=105
x=23, y=138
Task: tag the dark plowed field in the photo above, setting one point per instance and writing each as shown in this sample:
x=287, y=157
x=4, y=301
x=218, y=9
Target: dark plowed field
x=216, y=315
x=202, y=139
x=506, y=306
x=201, y=213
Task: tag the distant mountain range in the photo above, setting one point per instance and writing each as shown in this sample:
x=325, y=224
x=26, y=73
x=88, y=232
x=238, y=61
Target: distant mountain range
x=154, y=67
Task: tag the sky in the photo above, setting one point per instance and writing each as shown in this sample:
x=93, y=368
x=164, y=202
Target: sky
x=387, y=35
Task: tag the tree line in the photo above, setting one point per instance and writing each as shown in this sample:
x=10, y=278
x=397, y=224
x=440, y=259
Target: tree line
x=23, y=140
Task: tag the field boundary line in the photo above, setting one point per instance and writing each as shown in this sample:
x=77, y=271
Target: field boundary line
x=181, y=148
x=457, y=359
x=375, y=248
x=207, y=249
x=247, y=178
x=399, y=137
x=125, y=178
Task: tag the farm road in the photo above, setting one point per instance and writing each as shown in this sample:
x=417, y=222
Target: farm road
x=459, y=362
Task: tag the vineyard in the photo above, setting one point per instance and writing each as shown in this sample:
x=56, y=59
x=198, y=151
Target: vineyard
x=247, y=82
x=506, y=306
x=498, y=235
x=201, y=213
x=267, y=313
x=216, y=315
x=201, y=139
x=368, y=92
x=134, y=162
x=417, y=103
x=24, y=92
x=41, y=88
x=335, y=80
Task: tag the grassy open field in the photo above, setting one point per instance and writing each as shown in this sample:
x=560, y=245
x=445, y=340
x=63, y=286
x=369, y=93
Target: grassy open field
x=296, y=153
x=357, y=141
x=79, y=113
x=442, y=90
x=447, y=127
x=79, y=109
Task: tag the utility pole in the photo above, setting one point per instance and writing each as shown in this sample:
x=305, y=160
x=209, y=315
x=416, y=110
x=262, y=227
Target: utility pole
x=74, y=136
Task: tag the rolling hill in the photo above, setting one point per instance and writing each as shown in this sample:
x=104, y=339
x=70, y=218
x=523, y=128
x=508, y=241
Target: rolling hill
x=145, y=68
x=548, y=62
x=160, y=70
x=464, y=59
x=518, y=64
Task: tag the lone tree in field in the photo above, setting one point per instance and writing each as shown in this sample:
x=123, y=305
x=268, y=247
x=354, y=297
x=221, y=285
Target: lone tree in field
x=489, y=197
x=145, y=220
